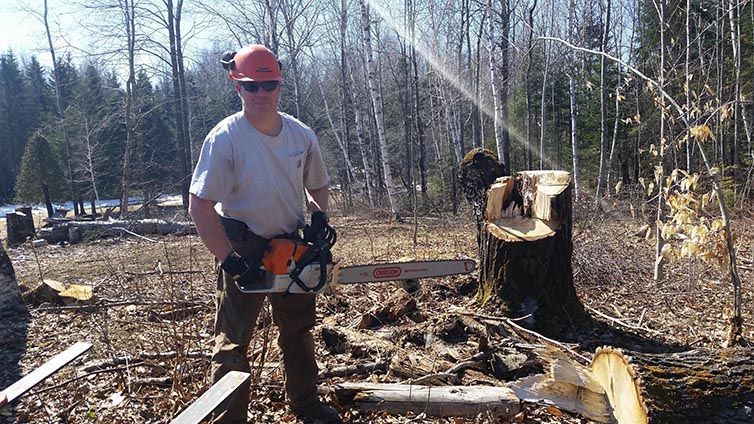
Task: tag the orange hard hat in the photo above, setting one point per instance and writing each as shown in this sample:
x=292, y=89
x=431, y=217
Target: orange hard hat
x=254, y=62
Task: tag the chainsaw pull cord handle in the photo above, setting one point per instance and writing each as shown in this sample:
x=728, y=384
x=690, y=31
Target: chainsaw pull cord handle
x=319, y=251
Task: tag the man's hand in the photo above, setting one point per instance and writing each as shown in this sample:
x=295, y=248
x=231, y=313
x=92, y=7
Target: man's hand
x=319, y=229
x=244, y=271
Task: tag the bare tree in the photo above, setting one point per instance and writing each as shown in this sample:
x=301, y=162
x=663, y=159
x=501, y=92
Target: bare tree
x=128, y=10
x=659, y=263
x=374, y=88
x=603, y=101
x=527, y=85
x=573, y=70
x=500, y=96
x=300, y=23
x=75, y=197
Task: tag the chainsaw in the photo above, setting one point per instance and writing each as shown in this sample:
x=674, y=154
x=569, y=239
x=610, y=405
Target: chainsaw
x=293, y=266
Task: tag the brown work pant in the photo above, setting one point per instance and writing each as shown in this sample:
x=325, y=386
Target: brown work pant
x=235, y=321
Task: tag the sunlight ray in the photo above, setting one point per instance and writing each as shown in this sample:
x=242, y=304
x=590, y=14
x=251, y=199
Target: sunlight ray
x=446, y=73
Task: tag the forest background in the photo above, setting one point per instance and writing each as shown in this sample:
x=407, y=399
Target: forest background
x=397, y=91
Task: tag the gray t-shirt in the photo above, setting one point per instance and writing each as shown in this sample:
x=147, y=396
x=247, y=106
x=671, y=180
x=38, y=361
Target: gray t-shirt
x=259, y=179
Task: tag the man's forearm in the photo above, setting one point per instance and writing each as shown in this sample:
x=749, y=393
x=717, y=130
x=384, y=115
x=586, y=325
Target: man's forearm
x=208, y=226
x=317, y=199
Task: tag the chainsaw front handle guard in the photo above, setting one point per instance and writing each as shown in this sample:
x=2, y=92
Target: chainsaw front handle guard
x=319, y=252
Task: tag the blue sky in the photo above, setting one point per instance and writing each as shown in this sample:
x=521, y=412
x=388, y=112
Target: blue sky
x=25, y=34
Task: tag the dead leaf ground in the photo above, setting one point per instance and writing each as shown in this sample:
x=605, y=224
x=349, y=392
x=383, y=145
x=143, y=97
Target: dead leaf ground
x=158, y=298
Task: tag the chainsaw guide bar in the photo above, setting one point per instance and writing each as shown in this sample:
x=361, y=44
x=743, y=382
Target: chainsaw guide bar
x=357, y=274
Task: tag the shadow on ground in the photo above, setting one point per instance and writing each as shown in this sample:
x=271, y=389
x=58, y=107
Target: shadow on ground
x=14, y=321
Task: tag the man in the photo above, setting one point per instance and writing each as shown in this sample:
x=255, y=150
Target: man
x=248, y=187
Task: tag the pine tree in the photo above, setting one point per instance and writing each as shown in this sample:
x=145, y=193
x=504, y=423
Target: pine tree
x=13, y=126
x=39, y=98
x=40, y=174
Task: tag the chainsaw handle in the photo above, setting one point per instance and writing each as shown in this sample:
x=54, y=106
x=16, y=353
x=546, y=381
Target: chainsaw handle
x=319, y=251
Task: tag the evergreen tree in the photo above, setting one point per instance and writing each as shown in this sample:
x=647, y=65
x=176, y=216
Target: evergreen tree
x=156, y=153
x=40, y=174
x=39, y=98
x=88, y=117
x=14, y=130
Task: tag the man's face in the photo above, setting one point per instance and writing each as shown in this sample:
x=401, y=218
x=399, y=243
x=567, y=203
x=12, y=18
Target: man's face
x=259, y=97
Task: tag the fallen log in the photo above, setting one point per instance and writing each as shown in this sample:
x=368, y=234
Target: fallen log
x=71, y=231
x=697, y=386
x=446, y=401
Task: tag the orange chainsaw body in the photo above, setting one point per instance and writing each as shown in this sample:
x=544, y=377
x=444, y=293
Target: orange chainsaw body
x=281, y=253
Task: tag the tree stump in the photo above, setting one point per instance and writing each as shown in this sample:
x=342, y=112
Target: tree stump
x=526, y=251
x=698, y=386
x=20, y=225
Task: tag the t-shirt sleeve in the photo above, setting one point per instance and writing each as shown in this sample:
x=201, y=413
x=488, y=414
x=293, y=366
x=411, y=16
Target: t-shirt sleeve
x=315, y=171
x=213, y=174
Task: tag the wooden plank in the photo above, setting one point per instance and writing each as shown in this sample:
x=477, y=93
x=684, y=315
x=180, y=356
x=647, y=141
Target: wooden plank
x=437, y=401
x=213, y=397
x=48, y=368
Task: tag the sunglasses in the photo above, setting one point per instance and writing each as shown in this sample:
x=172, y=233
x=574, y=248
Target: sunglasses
x=253, y=86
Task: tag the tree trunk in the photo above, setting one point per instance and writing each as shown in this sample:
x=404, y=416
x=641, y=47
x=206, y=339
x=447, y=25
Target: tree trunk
x=603, y=105
x=344, y=89
x=659, y=265
x=179, y=107
x=573, y=104
x=698, y=386
x=129, y=15
x=59, y=109
x=499, y=96
x=377, y=105
x=20, y=225
x=361, y=142
x=351, y=178
x=527, y=87
x=526, y=251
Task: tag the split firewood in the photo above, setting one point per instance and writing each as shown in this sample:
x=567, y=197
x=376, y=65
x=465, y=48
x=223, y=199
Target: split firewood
x=446, y=401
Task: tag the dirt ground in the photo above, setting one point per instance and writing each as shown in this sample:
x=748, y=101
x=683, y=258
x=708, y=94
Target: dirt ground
x=154, y=306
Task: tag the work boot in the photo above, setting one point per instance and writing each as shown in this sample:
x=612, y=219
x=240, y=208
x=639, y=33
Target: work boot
x=317, y=413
